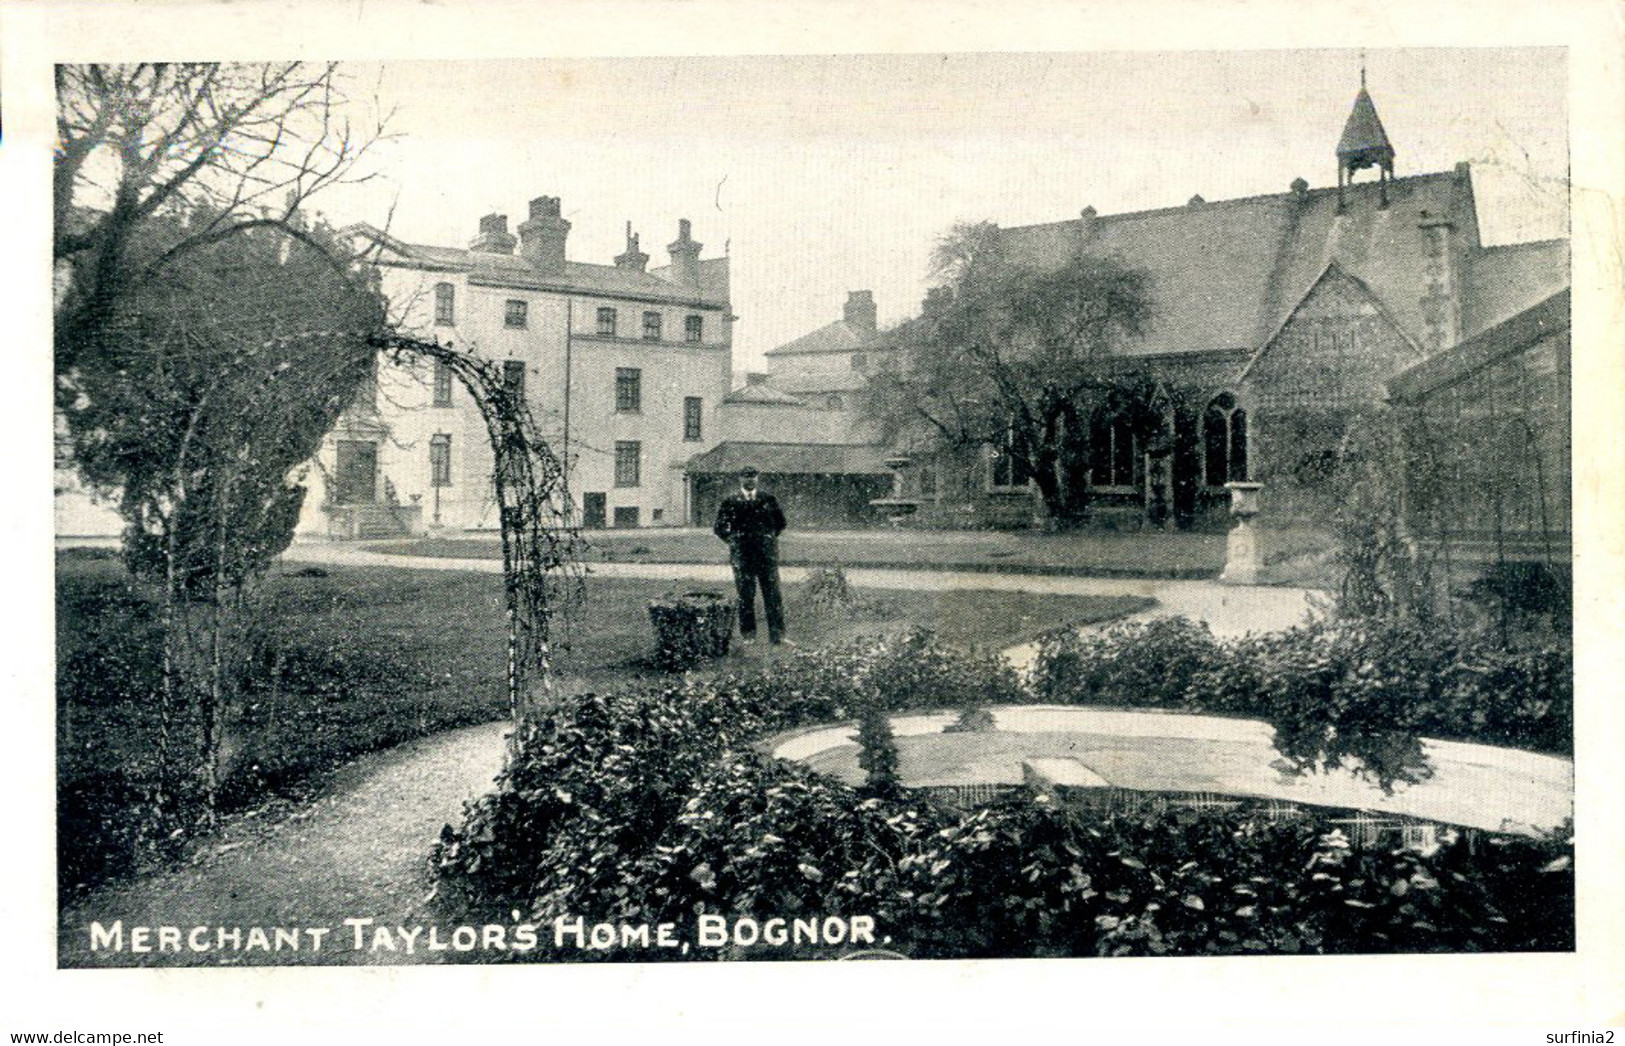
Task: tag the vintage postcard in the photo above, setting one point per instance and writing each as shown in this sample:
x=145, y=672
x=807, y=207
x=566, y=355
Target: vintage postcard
x=582, y=504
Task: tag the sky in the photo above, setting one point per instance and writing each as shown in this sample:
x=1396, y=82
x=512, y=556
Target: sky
x=821, y=175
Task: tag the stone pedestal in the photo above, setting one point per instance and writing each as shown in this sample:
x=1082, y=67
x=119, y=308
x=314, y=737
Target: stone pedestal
x=897, y=463
x=1243, y=560
x=896, y=508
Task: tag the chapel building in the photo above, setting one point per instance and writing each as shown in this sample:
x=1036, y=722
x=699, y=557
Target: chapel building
x=1279, y=322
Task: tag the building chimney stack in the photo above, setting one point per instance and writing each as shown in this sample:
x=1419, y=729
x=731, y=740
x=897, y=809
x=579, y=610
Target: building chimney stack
x=1087, y=222
x=494, y=237
x=542, y=238
x=1441, y=299
x=633, y=258
x=860, y=310
x=685, y=256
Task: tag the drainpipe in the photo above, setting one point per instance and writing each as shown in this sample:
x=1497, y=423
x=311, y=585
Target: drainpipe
x=569, y=340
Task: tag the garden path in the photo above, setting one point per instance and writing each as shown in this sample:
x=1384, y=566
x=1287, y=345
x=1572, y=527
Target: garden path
x=358, y=851
x=1229, y=610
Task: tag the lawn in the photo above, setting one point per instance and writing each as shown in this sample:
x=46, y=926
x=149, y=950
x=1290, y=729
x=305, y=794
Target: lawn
x=1088, y=553
x=353, y=659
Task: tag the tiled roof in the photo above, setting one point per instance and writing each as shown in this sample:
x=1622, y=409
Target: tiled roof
x=1509, y=336
x=1225, y=274
x=840, y=381
x=792, y=459
x=839, y=336
x=490, y=269
x=762, y=395
x=1504, y=281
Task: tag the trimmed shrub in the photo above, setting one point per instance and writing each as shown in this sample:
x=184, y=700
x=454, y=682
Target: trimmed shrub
x=827, y=591
x=1151, y=663
x=649, y=806
x=909, y=671
x=877, y=755
x=1525, y=588
x=1360, y=692
x=971, y=721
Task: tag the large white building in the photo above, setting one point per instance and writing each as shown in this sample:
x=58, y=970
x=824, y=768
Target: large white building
x=623, y=367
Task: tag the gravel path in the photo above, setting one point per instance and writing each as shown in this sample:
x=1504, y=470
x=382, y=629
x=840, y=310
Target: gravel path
x=357, y=852
x=1229, y=610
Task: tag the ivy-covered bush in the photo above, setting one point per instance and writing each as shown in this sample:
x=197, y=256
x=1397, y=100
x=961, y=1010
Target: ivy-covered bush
x=1022, y=879
x=1360, y=692
x=1158, y=662
x=616, y=768
x=652, y=806
x=690, y=628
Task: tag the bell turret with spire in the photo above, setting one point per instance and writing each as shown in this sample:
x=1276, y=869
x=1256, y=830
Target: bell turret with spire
x=1364, y=144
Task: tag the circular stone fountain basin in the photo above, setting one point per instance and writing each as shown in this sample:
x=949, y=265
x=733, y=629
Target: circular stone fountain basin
x=1474, y=786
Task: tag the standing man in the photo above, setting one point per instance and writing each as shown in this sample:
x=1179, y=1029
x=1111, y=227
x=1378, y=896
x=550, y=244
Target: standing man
x=750, y=522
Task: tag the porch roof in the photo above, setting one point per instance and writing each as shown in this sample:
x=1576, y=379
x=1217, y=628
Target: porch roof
x=792, y=459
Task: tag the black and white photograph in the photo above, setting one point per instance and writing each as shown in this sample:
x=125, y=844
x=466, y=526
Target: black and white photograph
x=595, y=511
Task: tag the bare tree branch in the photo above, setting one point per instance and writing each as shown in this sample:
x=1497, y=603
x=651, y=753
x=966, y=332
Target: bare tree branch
x=215, y=141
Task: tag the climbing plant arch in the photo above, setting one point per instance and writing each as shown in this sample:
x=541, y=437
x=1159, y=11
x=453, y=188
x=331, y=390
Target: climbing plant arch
x=541, y=567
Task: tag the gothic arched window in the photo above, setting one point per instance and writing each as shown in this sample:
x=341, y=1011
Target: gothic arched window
x=1113, y=451
x=1007, y=467
x=1224, y=441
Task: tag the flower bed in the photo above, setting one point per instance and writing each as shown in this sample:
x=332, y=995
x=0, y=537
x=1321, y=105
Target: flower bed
x=649, y=806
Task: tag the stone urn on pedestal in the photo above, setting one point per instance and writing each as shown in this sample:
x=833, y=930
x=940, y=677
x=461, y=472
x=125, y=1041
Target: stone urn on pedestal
x=1243, y=562
x=896, y=508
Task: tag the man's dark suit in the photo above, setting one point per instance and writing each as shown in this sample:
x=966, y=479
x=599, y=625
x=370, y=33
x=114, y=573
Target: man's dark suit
x=751, y=527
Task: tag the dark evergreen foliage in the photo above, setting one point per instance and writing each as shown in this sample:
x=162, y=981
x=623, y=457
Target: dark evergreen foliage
x=651, y=806
x=204, y=391
x=877, y=750
x=1360, y=692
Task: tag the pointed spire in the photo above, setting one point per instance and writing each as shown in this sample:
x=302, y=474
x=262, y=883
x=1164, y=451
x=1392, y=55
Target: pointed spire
x=1364, y=143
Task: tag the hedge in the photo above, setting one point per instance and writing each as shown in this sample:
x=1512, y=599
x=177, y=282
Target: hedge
x=651, y=806
x=1337, y=692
